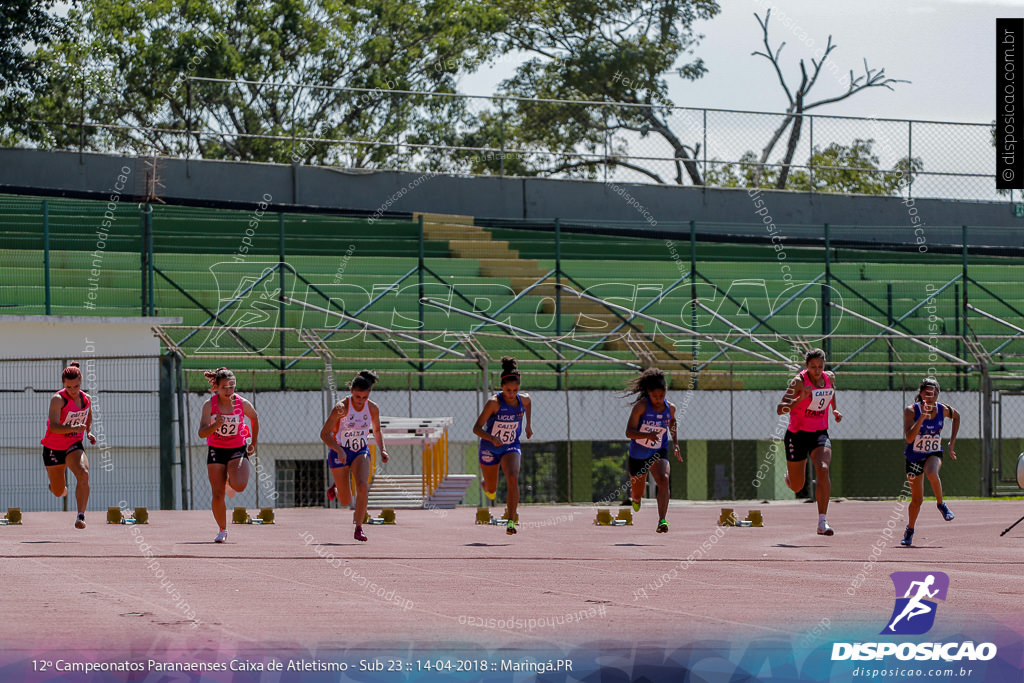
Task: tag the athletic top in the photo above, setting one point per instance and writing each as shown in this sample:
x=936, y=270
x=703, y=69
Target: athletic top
x=233, y=432
x=811, y=415
x=656, y=424
x=353, y=430
x=928, y=440
x=70, y=416
x=507, y=425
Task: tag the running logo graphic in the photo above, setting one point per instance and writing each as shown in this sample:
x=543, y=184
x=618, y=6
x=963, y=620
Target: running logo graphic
x=914, y=612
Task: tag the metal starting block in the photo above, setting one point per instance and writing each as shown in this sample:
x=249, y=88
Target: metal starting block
x=115, y=515
x=241, y=516
x=13, y=516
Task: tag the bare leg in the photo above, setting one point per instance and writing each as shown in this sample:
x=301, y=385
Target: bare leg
x=822, y=459
x=510, y=466
x=361, y=469
x=796, y=471
x=58, y=485
x=341, y=482
x=916, y=496
x=490, y=477
x=660, y=470
x=931, y=470
x=238, y=473
x=78, y=463
x=218, y=478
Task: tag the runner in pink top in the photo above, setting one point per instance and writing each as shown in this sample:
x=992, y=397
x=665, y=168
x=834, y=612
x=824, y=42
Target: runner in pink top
x=70, y=418
x=223, y=426
x=807, y=401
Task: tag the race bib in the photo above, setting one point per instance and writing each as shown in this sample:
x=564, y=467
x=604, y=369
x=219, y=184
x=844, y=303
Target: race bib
x=230, y=425
x=77, y=418
x=656, y=438
x=354, y=440
x=820, y=398
x=928, y=443
x=505, y=431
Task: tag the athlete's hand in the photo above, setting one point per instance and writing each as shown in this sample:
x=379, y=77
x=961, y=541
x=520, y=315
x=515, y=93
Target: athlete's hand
x=92, y=439
x=219, y=420
x=952, y=449
x=676, y=451
x=837, y=415
x=251, y=450
x=495, y=440
x=529, y=432
x=383, y=455
x=929, y=411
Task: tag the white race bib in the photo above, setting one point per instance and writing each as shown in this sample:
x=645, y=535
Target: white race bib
x=820, y=398
x=928, y=443
x=230, y=425
x=656, y=438
x=505, y=431
x=77, y=418
x=353, y=440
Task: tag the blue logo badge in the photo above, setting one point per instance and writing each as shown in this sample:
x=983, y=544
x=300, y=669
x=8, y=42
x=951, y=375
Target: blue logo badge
x=916, y=593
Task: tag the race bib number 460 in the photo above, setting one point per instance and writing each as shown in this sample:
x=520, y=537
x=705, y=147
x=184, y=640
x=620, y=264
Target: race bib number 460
x=354, y=440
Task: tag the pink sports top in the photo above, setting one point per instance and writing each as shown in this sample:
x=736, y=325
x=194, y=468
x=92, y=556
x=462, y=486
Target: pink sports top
x=811, y=415
x=233, y=432
x=70, y=416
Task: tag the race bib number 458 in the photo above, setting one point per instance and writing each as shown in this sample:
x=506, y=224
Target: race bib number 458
x=505, y=431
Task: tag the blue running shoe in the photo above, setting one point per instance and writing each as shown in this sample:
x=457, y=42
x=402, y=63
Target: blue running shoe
x=908, y=537
x=946, y=514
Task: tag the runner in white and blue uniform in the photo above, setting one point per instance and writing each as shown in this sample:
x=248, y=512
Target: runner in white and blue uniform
x=922, y=429
x=500, y=426
x=652, y=431
x=346, y=434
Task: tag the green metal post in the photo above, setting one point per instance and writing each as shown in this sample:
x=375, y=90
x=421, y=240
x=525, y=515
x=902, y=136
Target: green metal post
x=46, y=252
x=420, y=271
x=149, y=259
x=558, y=292
x=826, y=297
x=695, y=345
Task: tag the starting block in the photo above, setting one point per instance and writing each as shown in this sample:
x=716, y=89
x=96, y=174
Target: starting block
x=604, y=518
x=241, y=516
x=625, y=517
x=755, y=518
x=13, y=516
x=116, y=516
x=387, y=516
x=727, y=518
x=483, y=516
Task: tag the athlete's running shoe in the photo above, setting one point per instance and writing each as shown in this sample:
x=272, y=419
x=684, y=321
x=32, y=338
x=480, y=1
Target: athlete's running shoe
x=359, y=535
x=222, y=536
x=824, y=529
x=662, y=527
x=511, y=529
x=946, y=514
x=636, y=506
x=908, y=537
x=332, y=493
x=80, y=521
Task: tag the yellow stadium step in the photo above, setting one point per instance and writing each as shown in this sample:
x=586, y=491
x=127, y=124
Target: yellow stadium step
x=478, y=249
x=443, y=232
x=443, y=218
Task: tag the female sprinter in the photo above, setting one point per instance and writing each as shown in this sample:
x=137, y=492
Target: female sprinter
x=922, y=428
x=223, y=427
x=345, y=434
x=70, y=418
x=807, y=401
x=652, y=416
x=499, y=427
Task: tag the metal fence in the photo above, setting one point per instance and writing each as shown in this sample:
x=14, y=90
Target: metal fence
x=148, y=452
x=500, y=135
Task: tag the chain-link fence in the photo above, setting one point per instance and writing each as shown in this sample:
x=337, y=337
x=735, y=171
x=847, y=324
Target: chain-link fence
x=148, y=452
x=510, y=136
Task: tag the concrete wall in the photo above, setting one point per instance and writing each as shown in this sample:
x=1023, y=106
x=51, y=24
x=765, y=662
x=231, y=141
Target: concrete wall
x=244, y=184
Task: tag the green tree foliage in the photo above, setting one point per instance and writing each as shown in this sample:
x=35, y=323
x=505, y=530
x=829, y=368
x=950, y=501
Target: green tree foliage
x=850, y=169
x=129, y=62
x=25, y=26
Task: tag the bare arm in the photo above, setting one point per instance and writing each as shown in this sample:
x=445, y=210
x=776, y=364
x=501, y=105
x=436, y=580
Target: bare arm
x=331, y=426
x=633, y=426
x=955, y=416
x=910, y=426
x=795, y=392
x=208, y=425
x=835, y=406
x=672, y=431
x=375, y=419
x=528, y=407
x=56, y=405
x=88, y=424
x=250, y=412
x=490, y=408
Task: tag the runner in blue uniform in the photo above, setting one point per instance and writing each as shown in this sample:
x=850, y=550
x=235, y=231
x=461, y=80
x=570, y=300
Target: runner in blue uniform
x=922, y=429
x=651, y=422
x=499, y=427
